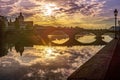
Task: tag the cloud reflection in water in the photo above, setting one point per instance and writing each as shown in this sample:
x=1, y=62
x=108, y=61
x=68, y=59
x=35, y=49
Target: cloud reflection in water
x=57, y=63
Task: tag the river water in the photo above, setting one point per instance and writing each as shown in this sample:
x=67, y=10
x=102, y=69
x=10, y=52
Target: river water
x=46, y=62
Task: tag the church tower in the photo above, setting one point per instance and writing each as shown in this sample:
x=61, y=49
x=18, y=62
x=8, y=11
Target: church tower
x=21, y=17
x=21, y=21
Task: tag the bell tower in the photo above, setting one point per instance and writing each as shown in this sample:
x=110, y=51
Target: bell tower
x=21, y=17
x=21, y=21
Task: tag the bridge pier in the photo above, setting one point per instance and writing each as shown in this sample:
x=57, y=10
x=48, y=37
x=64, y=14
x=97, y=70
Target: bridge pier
x=99, y=40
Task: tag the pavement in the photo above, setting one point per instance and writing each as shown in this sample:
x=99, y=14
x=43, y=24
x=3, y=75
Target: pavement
x=113, y=72
x=105, y=65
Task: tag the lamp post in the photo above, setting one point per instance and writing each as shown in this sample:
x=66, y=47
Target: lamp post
x=115, y=14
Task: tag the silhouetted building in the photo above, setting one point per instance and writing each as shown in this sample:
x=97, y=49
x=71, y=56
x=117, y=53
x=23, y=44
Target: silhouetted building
x=3, y=50
x=11, y=24
x=4, y=21
x=21, y=24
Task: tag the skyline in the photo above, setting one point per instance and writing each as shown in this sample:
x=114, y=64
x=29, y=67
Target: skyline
x=83, y=13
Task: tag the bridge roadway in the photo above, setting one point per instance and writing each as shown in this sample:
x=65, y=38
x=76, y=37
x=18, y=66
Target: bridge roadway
x=74, y=31
x=105, y=65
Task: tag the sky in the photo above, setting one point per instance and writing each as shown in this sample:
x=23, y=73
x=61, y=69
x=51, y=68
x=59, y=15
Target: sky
x=64, y=13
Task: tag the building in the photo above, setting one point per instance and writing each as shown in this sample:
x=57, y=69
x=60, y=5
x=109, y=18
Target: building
x=21, y=24
x=11, y=24
x=3, y=22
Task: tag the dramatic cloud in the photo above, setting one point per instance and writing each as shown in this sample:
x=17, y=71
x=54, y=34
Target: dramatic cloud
x=60, y=12
x=85, y=7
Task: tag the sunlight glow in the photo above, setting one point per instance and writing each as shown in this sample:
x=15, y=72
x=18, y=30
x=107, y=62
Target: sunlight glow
x=86, y=39
x=61, y=41
x=49, y=9
x=49, y=53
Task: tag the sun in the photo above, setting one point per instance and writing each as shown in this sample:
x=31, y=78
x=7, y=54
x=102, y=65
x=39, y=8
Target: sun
x=49, y=53
x=49, y=9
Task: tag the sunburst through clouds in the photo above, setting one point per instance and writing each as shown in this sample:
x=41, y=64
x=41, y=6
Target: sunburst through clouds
x=49, y=8
x=63, y=12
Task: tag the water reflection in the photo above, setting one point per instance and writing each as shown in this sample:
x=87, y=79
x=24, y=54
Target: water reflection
x=44, y=62
x=87, y=38
x=57, y=40
x=108, y=37
x=58, y=37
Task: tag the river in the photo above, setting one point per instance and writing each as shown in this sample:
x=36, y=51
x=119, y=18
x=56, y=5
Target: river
x=47, y=62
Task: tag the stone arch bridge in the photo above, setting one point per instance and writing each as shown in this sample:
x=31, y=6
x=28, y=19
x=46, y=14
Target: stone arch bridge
x=41, y=35
x=72, y=32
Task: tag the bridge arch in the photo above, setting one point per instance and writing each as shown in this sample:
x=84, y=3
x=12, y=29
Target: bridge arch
x=58, y=37
x=107, y=37
x=72, y=32
x=85, y=37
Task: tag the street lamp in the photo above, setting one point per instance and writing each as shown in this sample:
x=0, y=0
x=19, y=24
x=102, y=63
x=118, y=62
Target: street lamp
x=115, y=14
